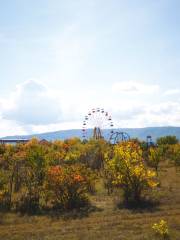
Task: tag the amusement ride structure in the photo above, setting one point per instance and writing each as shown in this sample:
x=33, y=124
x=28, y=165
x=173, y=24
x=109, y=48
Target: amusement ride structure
x=117, y=137
x=98, y=120
x=98, y=124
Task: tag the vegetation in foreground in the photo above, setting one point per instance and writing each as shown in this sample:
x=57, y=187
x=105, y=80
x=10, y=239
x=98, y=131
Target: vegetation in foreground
x=92, y=190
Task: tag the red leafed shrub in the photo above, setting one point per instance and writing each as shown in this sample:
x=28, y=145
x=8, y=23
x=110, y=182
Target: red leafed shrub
x=67, y=186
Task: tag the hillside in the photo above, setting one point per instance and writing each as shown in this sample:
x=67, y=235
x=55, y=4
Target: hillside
x=140, y=133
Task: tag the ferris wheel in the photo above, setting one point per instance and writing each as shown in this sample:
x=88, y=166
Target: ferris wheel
x=99, y=121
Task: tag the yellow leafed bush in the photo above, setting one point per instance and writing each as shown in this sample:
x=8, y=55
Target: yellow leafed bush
x=161, y=229
x=129, y=172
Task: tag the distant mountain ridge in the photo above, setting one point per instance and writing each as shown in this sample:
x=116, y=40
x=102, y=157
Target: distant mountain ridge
x=140, y=133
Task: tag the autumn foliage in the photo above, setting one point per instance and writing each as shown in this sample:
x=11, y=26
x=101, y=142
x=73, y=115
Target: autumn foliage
x=43, y=174
x=129, y=172
x=67, y=186
x=63, y=174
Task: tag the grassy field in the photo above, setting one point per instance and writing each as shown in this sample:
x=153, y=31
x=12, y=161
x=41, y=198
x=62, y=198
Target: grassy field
x=104, y=220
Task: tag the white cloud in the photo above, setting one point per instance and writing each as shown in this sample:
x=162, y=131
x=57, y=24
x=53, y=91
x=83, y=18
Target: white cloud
x=166, y=113
x=31, y=104
x=33, y=108
x=172, y=92
x=10, y=128
x=134, y=87
x=145, y=115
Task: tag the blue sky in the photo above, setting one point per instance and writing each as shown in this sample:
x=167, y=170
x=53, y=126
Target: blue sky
x=60, y=58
